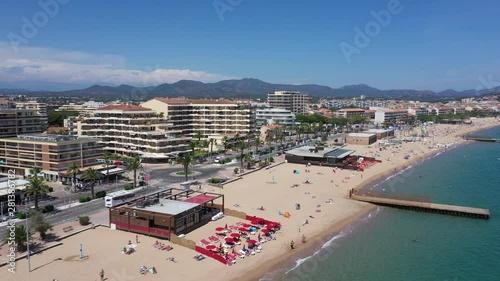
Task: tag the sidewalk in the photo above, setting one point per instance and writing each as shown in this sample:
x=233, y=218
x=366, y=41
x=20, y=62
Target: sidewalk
x=57, y=233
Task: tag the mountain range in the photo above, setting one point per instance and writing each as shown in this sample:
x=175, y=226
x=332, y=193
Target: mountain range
x=251, y=88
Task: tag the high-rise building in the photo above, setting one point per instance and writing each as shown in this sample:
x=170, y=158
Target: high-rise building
x=40, y=108
x=15, y=122
x=134, y=131
x=51, y=153
x=274, y=116
x=294, y=101
x=211, y=118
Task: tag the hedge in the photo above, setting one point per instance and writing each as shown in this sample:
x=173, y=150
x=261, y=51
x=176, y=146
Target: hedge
x=85, y=220
x=48, y=209
x=84, y=199
x=100, y=194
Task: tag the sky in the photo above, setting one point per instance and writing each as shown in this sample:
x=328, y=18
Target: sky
x=387, y=44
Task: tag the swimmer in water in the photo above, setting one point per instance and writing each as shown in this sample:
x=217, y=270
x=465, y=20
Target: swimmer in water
x=415, y=240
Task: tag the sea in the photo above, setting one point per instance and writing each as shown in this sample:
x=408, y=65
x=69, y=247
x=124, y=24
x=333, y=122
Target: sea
x=394, y=244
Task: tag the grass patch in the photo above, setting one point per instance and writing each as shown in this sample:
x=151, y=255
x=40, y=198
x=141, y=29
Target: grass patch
x=181, y=173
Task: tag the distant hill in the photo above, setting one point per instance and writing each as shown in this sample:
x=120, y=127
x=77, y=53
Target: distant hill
x=253, y=88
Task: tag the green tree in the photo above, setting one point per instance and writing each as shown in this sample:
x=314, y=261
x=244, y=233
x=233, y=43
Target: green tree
x=199, y=136
x=225, y=142
x=20, y=236
x=185, y=160
x=91, y=176
x=56, y=118
x=36, y=187
x=74, y=170
x=108, y=156
x=248, y=160
x=192, y=146
x=212, y=142
x=134, y=165
x=39, y=224
x=241, y=146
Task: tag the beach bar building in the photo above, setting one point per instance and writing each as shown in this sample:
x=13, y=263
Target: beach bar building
x=361, y=138
x=316, y=155
x=172, y=211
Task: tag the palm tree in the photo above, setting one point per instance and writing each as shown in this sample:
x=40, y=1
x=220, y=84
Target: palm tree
x=248, y=159
x=73, y=170
x=20, y=236
x=134, y=165
x=91, y=175
x=192, y=146
x=34, y=171
x=199, y=135
x=185, y=160
x=39, y=224
x=36, y=187
x=107, y=162
x=225, y=142
x=257, y=142
x=241, y=146
x=212, y=142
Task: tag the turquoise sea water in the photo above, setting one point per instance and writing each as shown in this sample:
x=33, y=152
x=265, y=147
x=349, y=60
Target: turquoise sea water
x=382, y=247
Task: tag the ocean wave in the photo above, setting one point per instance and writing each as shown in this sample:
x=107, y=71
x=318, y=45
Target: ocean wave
x=343, y=233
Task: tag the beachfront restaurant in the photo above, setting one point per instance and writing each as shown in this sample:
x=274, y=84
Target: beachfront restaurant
x=316, y=155
x=172, y=211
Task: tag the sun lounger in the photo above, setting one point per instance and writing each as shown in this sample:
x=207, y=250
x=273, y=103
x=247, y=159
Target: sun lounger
x=204, y=242
x=213, y=239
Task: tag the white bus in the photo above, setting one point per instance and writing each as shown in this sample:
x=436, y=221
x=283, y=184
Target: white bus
x=118, y=197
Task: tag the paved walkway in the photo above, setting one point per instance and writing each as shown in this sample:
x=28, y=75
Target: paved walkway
x=57, y=232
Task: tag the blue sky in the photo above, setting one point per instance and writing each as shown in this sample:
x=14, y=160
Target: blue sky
x=426, y=44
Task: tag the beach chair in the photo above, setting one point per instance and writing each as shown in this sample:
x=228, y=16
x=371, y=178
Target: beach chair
x=214, y=239
x=204, y=242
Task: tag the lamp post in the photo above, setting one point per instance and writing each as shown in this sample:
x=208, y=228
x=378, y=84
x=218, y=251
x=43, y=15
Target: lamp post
x=28, y=244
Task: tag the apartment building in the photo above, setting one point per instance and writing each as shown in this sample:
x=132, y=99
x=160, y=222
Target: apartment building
x=15, y=122
x=86, y=109
x=349, y=112
x=418, y=111
x=39, y=108
x=212, y=118
x=294, y=101
x=134, y=131
x=51, y=153
x=274, y=116
x=390, y=116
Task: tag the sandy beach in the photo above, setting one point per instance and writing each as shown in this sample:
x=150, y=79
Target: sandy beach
x=324, y=211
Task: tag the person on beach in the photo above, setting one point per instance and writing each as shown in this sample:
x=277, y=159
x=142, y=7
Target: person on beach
x=292, y=244
x=137, y=239
x=101, y=274
x=303, y=238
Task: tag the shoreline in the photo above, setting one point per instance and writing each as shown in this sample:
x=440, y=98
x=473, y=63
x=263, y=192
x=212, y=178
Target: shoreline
x=282, y=266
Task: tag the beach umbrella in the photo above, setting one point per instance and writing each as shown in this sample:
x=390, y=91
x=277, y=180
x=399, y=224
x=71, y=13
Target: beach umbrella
x=235, y=235
x=253, y=242
x=210, y=247
x=220, y=229
x=226, y=226
x=229, y=240
x=246, y=225
x=265, y=230
x=242, y=229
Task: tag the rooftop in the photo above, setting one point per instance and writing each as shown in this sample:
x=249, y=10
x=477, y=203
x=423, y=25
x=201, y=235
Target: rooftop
x=378, y=131
x=309, y=151
x=362, y=135
x=194, y=101
x=167, y=206
x=351, y=109
x=124, y=107
x=51, y=138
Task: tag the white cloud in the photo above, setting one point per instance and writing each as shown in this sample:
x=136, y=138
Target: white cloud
x=61, y=66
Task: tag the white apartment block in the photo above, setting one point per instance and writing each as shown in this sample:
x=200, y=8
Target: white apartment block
x=212, y=118
x=348, y=112
x=274, y=116
x=134, y=130
x=387, y=116
x=39, y=108
x=294, y=101
x=418, y=111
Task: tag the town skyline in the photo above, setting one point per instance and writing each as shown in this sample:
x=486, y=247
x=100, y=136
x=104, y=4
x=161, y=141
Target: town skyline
x=378, y=43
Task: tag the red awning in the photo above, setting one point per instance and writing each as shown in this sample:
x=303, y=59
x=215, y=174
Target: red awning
x=200, y=199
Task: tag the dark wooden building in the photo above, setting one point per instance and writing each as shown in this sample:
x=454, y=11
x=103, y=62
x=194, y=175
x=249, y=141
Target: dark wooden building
x=163, y=213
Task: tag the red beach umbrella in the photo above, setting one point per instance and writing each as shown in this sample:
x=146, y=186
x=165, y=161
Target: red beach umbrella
x=235, y=235
x=242, y=229
x=229, y=240
x=220, y=229
x=210, y=247
x=253, y=242
x=246, y=225
x=265, y=230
